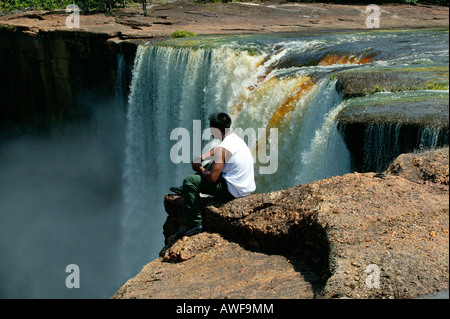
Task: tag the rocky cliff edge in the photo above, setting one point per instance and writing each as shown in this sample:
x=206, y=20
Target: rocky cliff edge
x=351, y=236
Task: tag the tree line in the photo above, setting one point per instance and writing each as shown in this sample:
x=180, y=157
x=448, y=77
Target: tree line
x=88, y=6
x=85, y=6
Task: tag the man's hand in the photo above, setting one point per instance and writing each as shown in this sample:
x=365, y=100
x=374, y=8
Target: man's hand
x=197, y=163
x=196, y=166
x=197, y=159
x=216, y=168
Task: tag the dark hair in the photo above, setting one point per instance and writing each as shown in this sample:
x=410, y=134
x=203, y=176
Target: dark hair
x=221, y=121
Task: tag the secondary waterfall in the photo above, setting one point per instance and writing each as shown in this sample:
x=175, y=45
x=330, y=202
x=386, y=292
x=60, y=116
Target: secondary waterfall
x=263, y=83
x=385, y=141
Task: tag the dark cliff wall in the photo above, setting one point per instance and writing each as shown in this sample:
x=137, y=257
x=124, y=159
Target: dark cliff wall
x=373, y=146
x=51, y=78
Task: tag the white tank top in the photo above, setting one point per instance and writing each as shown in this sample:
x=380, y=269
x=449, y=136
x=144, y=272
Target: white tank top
x=238, y=169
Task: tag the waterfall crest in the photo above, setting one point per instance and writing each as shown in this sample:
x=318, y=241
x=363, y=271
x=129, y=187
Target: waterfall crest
x=173, y=86
x=281, y=83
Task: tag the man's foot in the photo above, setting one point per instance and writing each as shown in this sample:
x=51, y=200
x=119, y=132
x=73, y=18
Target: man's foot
x=189, y=231
x=380, y=175
x=177, y=190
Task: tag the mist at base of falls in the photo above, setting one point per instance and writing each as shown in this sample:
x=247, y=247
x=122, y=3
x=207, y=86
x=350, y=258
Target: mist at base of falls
x=61, y=203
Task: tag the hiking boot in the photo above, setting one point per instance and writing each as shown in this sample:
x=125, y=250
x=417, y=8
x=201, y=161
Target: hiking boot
x=177, y=190
x=190, y=231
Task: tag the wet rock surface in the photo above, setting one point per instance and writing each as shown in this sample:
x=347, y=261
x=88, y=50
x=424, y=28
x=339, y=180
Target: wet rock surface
x=351, y=236
x=421, y=108
x=382, y=118
x=355, y=83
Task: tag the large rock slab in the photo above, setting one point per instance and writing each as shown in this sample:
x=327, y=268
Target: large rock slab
x=427, y=168
x=357, y=236
x=208, y=266
x=355, y=221
x=362, y=82
x=233, y=17
x=420, y=108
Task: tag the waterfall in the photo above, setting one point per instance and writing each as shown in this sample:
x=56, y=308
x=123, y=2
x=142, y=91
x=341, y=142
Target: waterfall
x=328, y=155
x=381, y=145
x=383, y=142
x=429, y=137
x=173, y=86
x=279, y=90
x=119, y=77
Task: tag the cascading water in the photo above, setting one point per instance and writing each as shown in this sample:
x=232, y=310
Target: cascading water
x=61, y=198
x=385, y=141
x=381, y=145
x=264, y=83
x=173, y=86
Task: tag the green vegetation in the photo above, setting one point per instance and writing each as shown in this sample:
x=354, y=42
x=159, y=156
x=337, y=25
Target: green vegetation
x=8, y=5
x=396, y=98
x=436, y=86
x=85, y=5
x=8, y=27
x=182, y=34
x=407, y=87
x=418, y=107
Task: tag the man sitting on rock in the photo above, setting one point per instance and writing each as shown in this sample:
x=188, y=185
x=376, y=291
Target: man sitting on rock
x=228, y=176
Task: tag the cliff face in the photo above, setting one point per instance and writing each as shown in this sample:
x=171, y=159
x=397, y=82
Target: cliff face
x=48, y=78
x=357, y=236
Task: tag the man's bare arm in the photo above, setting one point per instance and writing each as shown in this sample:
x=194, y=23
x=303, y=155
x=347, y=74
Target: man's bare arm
x=216, y=168
x=199, y=159
x=208, y=155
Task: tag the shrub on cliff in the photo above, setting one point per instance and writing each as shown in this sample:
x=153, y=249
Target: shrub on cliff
x=9, y=5
x=182, y=34
x=85, y=5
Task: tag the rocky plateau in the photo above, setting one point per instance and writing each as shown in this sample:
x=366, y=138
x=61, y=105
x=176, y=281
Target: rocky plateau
x=360, y=235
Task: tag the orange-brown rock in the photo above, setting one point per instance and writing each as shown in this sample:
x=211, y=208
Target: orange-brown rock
x=351, y=236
